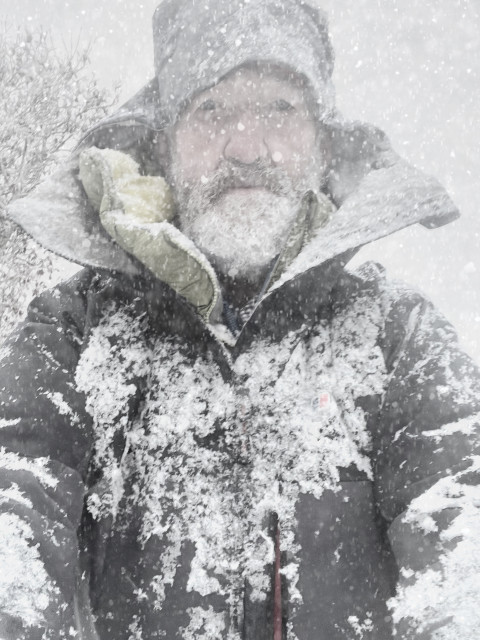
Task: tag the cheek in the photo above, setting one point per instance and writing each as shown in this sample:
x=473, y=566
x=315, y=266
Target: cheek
x=197, y=153
x=294, y=149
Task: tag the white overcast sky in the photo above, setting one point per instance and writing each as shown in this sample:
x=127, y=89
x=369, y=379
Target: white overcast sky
x=411, y=67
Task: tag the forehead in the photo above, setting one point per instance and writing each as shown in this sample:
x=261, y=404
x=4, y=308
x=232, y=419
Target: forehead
x=258, y=84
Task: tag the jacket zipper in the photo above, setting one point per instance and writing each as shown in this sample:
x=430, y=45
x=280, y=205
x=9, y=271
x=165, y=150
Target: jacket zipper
x=277, y=589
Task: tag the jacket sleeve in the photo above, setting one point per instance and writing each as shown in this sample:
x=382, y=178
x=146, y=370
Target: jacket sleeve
x=427, y=473
x=45, y=443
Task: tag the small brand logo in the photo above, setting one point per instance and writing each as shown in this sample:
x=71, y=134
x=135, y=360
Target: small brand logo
x=324, y=400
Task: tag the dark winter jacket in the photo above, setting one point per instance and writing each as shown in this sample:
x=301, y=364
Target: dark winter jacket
x=146, y=467
x=334, y=411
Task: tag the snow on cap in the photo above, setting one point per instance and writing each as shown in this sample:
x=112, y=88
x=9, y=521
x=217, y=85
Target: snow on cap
x=197, y=42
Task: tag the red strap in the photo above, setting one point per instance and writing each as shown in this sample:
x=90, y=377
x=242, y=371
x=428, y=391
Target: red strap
x=277, y=603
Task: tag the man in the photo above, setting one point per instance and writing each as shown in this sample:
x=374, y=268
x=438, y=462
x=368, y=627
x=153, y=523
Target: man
x=263, y=444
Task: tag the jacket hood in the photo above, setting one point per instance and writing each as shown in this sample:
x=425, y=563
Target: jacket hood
x=376, y=192
x=197, y=43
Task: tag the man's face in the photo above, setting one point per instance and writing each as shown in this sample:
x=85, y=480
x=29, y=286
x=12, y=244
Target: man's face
x=243, y=154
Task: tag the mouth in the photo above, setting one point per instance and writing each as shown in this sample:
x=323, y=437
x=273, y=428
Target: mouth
x=250, y=181
x=239, y=191
x=246, y=189
x=243, y=192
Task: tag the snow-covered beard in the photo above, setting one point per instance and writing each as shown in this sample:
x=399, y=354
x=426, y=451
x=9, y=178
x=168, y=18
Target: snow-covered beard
x=240, y=217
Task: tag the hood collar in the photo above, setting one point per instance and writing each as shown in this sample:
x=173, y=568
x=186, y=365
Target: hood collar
x=376, y=193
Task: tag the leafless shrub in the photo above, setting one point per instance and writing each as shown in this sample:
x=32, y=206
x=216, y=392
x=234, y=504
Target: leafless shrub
x=47, y=99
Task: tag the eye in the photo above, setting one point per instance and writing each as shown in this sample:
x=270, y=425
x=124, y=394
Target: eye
x=208, y=105
x=282, y=105
x=211, y=112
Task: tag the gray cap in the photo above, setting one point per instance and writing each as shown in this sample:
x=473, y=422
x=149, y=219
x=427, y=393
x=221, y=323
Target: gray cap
x=197, y=42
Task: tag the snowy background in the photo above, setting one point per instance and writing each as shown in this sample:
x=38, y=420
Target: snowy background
x=411, y=67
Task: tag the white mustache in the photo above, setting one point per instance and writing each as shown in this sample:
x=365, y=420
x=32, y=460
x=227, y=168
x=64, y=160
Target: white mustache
x=256, y=175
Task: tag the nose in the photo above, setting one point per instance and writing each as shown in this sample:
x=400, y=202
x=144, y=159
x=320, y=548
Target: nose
x=246, y=140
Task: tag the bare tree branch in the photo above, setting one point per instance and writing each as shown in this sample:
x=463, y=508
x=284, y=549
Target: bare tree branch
x=48, y=98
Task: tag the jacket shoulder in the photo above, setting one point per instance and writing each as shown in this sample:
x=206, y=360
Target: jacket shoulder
x=410, y=317
x=66, y=301
x=375, y=275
